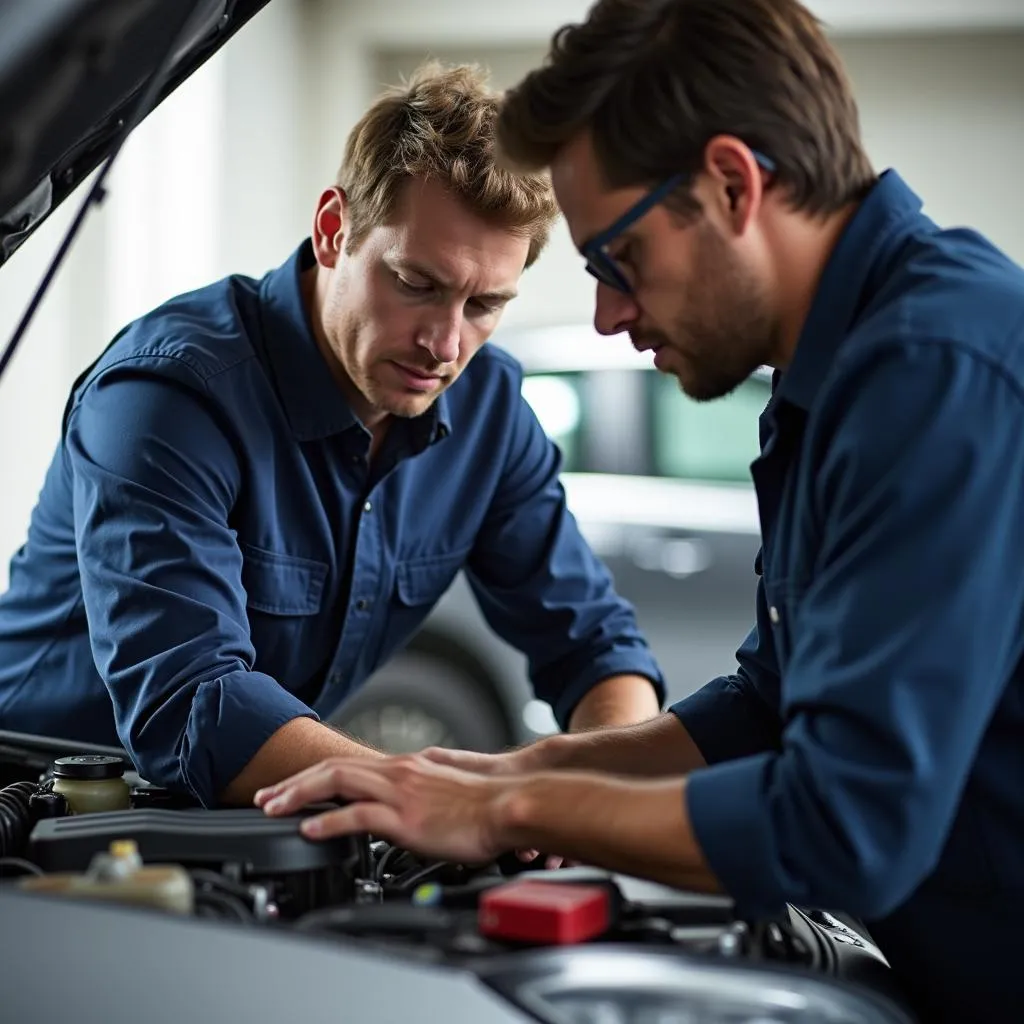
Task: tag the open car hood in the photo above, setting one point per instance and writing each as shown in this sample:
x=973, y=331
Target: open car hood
x=71, y=73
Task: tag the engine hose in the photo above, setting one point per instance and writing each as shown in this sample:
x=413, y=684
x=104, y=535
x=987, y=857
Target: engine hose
x=15, y=818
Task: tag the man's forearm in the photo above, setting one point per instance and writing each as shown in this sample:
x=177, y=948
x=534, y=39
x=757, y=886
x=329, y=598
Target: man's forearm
x=656, y=748
x=618, y=700
x=637, y=828
x=298, y=744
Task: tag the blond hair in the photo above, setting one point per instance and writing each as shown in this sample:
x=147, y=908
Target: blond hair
x=440, y=125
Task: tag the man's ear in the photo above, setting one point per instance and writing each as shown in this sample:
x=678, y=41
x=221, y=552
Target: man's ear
x=330, y=223
x=736, y=181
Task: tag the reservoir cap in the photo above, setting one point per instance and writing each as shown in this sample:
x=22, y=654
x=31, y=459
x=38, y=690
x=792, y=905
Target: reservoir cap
x=89, y=767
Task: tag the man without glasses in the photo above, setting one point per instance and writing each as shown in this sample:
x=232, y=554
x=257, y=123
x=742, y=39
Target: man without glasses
x=264, y=486
x=867, y=754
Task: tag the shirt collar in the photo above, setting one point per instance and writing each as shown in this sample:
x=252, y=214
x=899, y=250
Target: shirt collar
x=846, y=285
x=313, y=403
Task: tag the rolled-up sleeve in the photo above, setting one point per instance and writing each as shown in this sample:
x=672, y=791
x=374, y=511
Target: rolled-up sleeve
x=542, y=588
x=155, y=478
x=902, y=641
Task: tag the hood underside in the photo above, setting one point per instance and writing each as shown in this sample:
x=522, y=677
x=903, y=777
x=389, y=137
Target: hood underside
x=71, y=75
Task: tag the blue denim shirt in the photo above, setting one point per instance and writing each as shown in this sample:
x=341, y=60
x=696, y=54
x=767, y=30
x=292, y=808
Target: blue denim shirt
x=868, y=754
x=213, y=554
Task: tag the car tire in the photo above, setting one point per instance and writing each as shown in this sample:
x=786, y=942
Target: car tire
x=416, y=701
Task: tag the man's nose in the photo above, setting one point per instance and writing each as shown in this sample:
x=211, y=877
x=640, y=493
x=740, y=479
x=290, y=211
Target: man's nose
x=614, y=311
x=442, y=338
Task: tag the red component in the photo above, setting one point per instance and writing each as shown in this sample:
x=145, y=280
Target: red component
x=544, y=912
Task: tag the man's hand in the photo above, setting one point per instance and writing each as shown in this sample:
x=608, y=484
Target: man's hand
x=639, y=827
x=430, y=808
x=654, y=748
x=511, y=763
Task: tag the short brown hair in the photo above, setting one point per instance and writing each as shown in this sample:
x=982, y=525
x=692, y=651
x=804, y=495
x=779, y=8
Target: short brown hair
x=656, y=80
x=440, y=125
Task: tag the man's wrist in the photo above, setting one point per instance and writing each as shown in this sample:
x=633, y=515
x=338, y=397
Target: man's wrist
x=512, y=810
x=549, y=754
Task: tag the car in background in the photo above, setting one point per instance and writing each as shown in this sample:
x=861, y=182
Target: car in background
x=660, y=485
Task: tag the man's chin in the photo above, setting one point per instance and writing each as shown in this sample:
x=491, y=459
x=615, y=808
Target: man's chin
x=408, y=407
x=705, y=387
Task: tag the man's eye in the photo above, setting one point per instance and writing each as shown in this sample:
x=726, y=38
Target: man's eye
x=412, y=287
x=625, y=260
x=484, y=308
x=625, y=256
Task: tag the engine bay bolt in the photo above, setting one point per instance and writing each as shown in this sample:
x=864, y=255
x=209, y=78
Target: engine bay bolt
x=369, y=892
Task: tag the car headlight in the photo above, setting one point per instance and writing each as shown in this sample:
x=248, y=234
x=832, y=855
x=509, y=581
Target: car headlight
x=605, y=985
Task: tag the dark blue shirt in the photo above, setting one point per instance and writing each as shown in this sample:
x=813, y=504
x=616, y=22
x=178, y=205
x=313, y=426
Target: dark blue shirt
x=213, y=554
x=868, y=755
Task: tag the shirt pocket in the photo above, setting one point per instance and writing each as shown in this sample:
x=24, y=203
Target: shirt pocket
x=284, y=596
x=420, y=581
x=419, y=584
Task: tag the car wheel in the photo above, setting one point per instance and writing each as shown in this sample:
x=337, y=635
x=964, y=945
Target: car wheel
x=418, y=701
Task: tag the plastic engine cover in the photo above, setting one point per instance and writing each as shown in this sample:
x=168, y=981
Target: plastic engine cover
x=194, y=838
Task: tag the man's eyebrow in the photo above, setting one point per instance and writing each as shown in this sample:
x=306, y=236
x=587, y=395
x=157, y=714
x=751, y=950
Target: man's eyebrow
x=498, y=296
x=501, y=295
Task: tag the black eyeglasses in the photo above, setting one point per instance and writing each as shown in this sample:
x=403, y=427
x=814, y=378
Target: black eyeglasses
x=600, y=261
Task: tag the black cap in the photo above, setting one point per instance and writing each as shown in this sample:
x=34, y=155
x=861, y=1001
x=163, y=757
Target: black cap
x=89, y=767
x=48, y=805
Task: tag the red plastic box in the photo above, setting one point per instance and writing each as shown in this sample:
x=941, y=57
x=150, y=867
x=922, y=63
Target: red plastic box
x=544, y=912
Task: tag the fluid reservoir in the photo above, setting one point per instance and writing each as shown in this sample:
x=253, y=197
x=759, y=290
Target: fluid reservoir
x=92, y=783
x=119, y=876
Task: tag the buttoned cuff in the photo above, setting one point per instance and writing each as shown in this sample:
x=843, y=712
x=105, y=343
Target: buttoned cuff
x=719, y=720
x=230, y=719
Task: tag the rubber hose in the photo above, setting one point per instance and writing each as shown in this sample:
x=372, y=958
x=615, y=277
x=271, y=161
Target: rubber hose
x=15, y=818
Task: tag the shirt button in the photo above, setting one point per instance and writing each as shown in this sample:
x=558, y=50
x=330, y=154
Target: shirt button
x=773, y=614
x=368, y=507
x=362, y=604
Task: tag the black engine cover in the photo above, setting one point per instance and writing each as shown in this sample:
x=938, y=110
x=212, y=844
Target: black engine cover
x=246, y=837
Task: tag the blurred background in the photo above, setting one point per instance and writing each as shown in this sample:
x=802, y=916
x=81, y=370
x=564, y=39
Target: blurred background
x=223, y=179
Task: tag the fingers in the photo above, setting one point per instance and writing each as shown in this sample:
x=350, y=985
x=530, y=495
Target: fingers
x=265, y=795
x=350, y=779
x=355, y=819
x=551, y=863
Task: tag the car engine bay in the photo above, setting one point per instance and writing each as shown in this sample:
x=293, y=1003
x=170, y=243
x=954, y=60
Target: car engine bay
x=83, y=829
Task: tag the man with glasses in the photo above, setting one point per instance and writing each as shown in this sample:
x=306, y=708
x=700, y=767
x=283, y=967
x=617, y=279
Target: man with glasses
x=867, y=754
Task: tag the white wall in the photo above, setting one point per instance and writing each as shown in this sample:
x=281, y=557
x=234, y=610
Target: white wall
x=948, y=113
x=223, y=177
